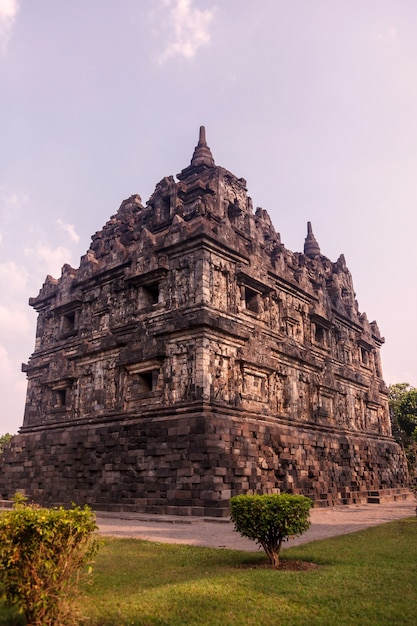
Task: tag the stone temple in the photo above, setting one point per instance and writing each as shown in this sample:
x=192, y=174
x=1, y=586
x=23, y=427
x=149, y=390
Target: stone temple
x=192, y=357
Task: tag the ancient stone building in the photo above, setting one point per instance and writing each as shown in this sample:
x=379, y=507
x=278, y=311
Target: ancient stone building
x=192, y=357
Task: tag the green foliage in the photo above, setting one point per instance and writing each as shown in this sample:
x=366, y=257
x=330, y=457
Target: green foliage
x=42, y=553
x=351, y=580
x=270, y=519
x=403, y=411
x=407, y=412
x=19, y=498
x=4, y=440
x=396, y=393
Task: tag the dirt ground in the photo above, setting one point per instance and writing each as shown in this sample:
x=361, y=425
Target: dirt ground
x=219, y=533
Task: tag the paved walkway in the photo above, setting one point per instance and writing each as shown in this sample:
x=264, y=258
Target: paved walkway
x=219, y=533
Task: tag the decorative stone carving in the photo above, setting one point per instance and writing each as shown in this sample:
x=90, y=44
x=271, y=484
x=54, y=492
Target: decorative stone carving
x=192, y=357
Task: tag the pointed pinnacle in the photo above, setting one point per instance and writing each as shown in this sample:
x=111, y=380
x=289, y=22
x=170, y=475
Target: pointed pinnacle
x=202, y=138
x=311, y=247
x=202, y=153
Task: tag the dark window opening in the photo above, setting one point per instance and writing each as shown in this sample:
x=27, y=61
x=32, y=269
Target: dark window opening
x=68, y=323
x=364, y=356
x=60, y=399
x=319, y=334
x=151, y=294
x=144, y=384
x=146, y=381
x=251, y=300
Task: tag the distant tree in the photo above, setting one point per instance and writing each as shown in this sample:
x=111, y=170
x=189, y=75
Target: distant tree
x=403, y=412
x=407, y=413
x=397, y=392
x=4, y=439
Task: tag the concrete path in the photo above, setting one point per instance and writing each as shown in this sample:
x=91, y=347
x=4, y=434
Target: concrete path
x=219, y=533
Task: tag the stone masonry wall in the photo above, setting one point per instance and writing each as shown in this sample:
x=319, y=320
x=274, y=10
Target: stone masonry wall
x=191, y=356
x=192, y=465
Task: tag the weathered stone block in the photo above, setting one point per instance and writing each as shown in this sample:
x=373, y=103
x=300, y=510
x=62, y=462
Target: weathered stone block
x=192, y=357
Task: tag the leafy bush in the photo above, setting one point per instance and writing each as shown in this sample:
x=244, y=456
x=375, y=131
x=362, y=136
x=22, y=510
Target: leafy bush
x=42, y=553
x=271, y=519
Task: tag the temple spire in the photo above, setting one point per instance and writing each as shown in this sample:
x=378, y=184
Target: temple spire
x=202, y=153
x=202, y=137
x=311, y=247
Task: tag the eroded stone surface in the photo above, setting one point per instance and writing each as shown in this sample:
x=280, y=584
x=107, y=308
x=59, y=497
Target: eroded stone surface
x=191, y=357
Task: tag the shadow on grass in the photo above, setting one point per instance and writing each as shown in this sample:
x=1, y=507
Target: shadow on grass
x=352, y=579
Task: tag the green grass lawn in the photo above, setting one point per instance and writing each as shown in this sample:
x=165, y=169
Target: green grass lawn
x=367, y=578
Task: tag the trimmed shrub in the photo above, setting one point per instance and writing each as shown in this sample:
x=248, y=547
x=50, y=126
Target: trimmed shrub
x=42, y=554
x=271, y=519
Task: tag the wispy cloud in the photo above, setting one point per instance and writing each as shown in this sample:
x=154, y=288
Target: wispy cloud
x=8, y=13
x=389, y=34
x=16, y=331
x=69, y=229
x=12, y=386
x=7, y=368
x=13, y=278
x=186, y=28
x=11, y=201
x=9, y=198
x=14, y=321
x=47, y=257
x=51, y=258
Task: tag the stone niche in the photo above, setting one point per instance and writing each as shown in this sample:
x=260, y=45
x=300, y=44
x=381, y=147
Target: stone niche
x=192, y=357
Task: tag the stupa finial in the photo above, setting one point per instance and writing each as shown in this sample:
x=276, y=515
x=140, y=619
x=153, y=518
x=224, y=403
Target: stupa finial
x=202, y=137
x=311, y=247
x=202, y=153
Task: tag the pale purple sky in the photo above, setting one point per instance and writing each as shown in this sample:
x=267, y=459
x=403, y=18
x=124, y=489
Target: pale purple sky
x=314, y=102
